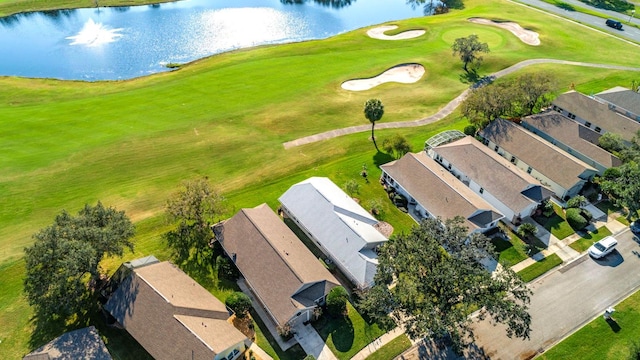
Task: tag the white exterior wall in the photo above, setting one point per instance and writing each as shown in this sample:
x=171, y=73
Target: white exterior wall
x=227, y=354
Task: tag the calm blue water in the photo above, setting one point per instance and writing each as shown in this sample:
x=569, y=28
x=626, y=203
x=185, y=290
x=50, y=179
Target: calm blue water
x=123, y=43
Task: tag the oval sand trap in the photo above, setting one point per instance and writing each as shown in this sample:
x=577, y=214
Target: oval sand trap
x=378, y=33
x=405, y=74
x=527, y=36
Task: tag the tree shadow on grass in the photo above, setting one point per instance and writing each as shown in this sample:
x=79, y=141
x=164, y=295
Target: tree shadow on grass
x=565, y=6
x=342, y=334
x=340, y=329
x=381, y=158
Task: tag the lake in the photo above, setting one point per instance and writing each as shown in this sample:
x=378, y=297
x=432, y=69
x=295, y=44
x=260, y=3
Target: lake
x=127, y=42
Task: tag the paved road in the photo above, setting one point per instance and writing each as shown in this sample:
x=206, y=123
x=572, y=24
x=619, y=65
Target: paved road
x=568, y=298
x=628, y=32
x=563, y=301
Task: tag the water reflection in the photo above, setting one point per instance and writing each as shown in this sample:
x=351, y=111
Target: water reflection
x=95, y=34
x=430, y=7
x=128, y=42
x=336, y=4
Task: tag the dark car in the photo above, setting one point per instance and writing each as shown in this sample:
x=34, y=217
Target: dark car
x=614, y=24
x=635, y=227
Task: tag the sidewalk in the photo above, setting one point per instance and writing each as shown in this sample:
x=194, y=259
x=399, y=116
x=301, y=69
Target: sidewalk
x=561, y=247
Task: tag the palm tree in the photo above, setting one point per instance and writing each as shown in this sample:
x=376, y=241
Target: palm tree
x=373, y=111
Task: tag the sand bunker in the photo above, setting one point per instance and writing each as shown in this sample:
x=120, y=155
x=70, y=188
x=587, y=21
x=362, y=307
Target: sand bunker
x=378, y=33
x=406, y=74
x=527, y=36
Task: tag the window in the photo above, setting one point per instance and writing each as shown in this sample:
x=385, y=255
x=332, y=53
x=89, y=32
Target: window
x=571, y=116
x=597, y=129
x=481, y=191
x=587, y=124
x=529, y=170
x=496, y=148
x=513, y=159
x=449, y=166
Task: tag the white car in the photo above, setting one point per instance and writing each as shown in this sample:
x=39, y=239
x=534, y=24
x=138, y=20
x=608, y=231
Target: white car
x=603, y=247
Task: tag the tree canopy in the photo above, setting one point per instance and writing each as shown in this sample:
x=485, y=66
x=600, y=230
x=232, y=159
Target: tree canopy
x=194, y=208
x=623, y=187
x=431, y=279
x=67, y=254
x=469, y=49
x=517, y=98
x=397, y=146
x=373, y=111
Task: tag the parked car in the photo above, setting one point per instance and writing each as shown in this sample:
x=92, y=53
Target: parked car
x=603, y=247
x=614, y=24
x=635, y=227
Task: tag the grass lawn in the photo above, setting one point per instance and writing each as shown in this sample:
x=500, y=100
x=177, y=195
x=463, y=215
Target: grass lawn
x=556, y=224
x=515, y=250
x=267, y=343
x=347, y=336
x=623, y=220
x=392, y=349
x=600, y=341
x=587, y=240
x=533, y=271
x=227, y=116
x=608, y=207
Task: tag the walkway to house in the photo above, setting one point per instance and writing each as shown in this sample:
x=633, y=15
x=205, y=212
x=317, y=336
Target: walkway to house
x=561, y=247
x=449, y=108
x=312, y=343
x=284, y=345
x=379, y=342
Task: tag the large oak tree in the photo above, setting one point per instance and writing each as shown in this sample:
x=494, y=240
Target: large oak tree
x=432, y=279
x=193, y=209
x=66, y=256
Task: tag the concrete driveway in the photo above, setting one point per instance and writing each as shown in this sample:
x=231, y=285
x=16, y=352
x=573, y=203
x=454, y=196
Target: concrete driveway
x=566, y=299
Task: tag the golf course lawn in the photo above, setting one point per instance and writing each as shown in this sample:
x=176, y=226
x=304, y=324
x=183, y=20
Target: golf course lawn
x=130, y=143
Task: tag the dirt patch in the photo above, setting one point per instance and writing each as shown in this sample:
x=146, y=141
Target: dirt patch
x=526, y=36
x=405, y=74
x=384, y=228
x=378, y=33
x=245, y=325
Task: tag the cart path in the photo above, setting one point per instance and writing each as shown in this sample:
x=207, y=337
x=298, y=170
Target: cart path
x=449, y=108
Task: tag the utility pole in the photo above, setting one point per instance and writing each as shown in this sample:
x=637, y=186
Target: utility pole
x=631, y=16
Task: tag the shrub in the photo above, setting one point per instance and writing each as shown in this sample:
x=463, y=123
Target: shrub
x=470, y=130
x=575, y=219
x=337, y=301
x=226, y=269
x=577, y=201
x=586, y=214
x=375, y=206
x=309, y=357
x=525, y=230
x=547, y=209
x=239, y=303
x=285, y=331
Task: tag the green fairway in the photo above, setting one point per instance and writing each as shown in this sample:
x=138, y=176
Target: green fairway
x=130, y=143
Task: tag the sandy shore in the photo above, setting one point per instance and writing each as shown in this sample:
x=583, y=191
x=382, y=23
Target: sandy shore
x=527, y=36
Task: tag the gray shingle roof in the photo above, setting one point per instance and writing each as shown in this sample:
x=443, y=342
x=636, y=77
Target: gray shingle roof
x=171, y=315
x=280, y=269
x=494, y=173
x=574, y=135
x=538, y=153
x=622, y=98
x=83, y=344
x=597, y=113
x=439, y=191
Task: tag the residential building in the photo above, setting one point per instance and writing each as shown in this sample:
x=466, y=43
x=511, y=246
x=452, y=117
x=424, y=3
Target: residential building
x=340, y=227
x=595, y=114
x=287, y=279
x=502, y=184
x=170, y=314
x=622, y=101
x=83, y=344
x=563, y=173
x=438, y=193
x=572, y=137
